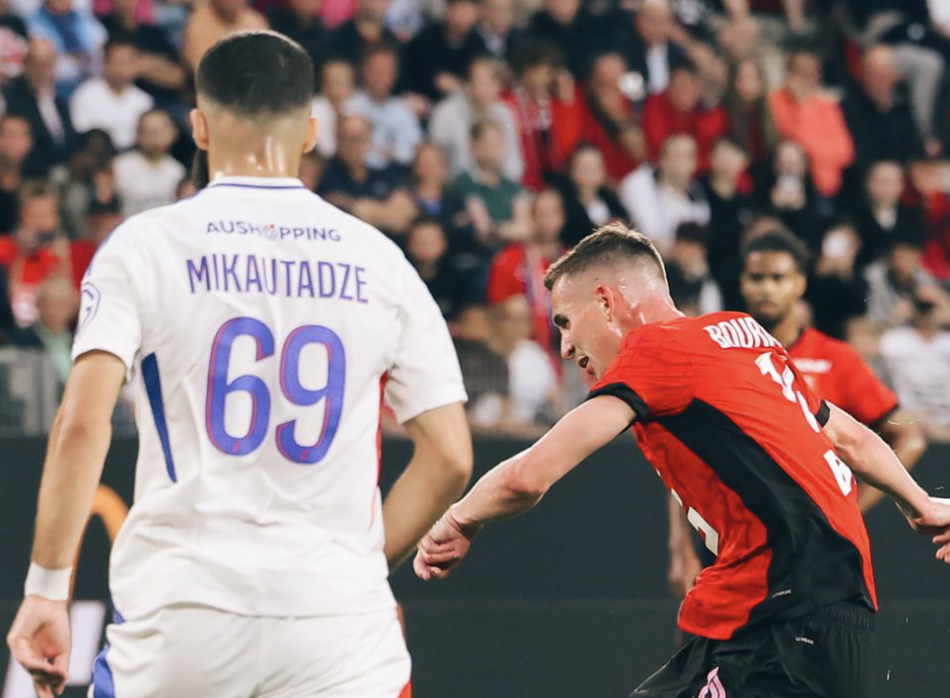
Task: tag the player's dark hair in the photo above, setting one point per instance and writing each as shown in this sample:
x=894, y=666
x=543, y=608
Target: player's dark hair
x=607, y=245
x=257, y=74
x=778, y=241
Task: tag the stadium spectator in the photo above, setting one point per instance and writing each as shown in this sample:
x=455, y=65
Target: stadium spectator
x=837, y=291
x=518, y=270
x=337, y=87
x=84, y=178
x=878, y=114
x=532, y=379
x=33, y=95
x=300, y=20
x=659, y=199
x=374, y=195
x=788, y=193
x=548, y=113
x=692, y=287
x=499, y=207
x=677, y=110
x=485, y=372
x=893, y=281
x=160, y=70
x=8, y=326
x=918, y=361
x=427, y=247
x=498, y=29
x=16, y=142
x=396, y=130
x=437, y=58
x=12, y=21
x=648, y=49
x=588, y=200
x=211, y=21
x=751, y=124
x=572, y=27
x=112, y=102
x=57, y=303
x=452, y=119
x=612, y=123
x=730, y=211
x=365, y=29
x=430, y=188
x=147, y=176
x=311, y=170
x=77, y=37
x=37, y=250
x=814, y=120
x=880, y=215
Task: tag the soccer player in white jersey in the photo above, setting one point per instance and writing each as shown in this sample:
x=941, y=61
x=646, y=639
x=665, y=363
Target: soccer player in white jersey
x=260, y=324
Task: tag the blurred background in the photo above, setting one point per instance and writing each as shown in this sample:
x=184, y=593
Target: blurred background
x=486, y=137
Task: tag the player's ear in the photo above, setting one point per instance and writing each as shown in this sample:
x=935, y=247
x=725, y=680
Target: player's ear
x=801, y=282
x=199, y=128
x=605, y=301
x=311, y=142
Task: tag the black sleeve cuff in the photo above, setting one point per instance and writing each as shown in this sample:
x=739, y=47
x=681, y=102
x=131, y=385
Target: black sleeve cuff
x=878, y=423
x=823, y=414
x=625, y=393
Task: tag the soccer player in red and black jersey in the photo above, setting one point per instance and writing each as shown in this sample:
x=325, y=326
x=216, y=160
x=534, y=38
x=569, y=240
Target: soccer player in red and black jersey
x=773, y=281
x=759, y=462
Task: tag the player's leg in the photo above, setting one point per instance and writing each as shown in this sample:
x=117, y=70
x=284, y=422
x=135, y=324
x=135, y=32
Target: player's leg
x=179, y=651
x=355, y=656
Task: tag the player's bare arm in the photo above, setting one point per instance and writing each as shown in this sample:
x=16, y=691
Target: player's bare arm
x=78, y=443
x=440, y=468
x=903, y=434
x=520, y=482
x=875, y=463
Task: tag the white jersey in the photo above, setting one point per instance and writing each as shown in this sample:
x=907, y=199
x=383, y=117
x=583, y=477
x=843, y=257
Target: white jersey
x=260, y=323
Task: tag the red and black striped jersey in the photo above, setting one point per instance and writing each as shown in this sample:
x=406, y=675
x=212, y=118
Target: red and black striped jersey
x=734, y=431
x=836, y=372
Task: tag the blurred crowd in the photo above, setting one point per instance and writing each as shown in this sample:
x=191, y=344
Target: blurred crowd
x=488, y=136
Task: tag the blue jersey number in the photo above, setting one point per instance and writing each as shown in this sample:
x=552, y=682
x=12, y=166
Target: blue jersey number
x=219, y=388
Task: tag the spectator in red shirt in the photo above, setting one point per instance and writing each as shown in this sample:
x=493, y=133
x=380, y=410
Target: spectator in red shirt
x=519, y=268
x=548, y=112
x=611, y=122
x=677, y=110
x=803, y=114
x=37, y=250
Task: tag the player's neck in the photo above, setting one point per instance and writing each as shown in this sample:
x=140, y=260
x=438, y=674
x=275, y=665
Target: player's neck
x=787, y=331
x=242, y=151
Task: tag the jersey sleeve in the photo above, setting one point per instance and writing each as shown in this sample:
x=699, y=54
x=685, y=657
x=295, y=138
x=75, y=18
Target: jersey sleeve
x=653, y=374
x=109, y=316
x=869, y=400
x=425, y=373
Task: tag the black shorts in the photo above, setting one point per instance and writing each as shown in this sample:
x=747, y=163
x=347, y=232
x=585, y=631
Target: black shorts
x=827, y=654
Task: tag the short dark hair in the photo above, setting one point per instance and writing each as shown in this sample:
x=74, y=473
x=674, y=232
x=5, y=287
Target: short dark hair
x=607, y=244
x=120, y=40
x=257, y=73
x=530, y=52
x=778, y=241
x=692, y=232
x=483, y=125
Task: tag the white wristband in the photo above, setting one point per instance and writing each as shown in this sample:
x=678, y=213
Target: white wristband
x=50, y=584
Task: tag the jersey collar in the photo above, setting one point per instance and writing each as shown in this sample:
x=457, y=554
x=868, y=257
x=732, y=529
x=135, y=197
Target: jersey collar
x=257, y=182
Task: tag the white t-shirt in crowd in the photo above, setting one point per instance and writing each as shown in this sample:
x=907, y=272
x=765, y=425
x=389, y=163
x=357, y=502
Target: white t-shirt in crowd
x=95, y=105
x=259, y=322
x=143, y=184
x=920, y=371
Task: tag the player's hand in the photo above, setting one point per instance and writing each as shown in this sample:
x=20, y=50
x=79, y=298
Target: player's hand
x=685, y=567
x=39, y=640
x=934, y=521
x=442, y=548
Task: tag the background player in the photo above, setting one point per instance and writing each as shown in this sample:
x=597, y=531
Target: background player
x=773, y=281
x=741, y=440
x=260, y=322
